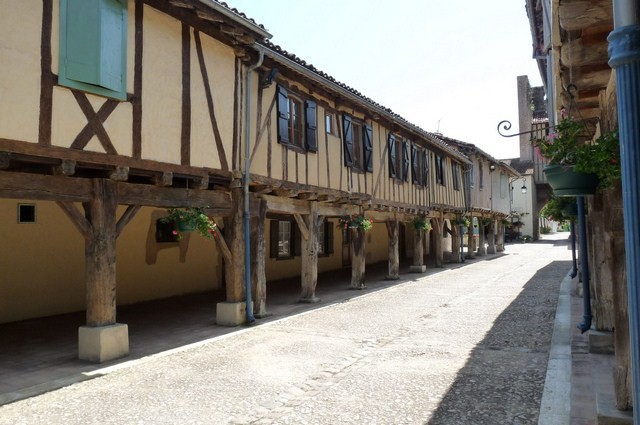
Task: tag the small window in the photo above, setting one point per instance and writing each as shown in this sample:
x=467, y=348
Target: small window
x=93, y=46
x=455, y=169
x=503, y=185
x=26, y=213
x=321, y=240
x=329, y=123
x=481, y=175
x=357, y=146
x=472, y=179
x=284, y=239
x=440, y=169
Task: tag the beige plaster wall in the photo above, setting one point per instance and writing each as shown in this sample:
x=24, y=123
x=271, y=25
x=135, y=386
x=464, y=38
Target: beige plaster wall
x=20, y=24
x=47, y=259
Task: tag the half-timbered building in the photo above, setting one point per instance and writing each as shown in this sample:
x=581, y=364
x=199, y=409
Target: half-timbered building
x=113, y=111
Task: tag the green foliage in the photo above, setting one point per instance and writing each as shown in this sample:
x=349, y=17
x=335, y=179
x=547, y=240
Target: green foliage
x=191, y=217
x=553, y=209
x=527, y=238
x=568, y=145
x=462, y=221
x=421, y=223
x=545, y=230
x=356, y=222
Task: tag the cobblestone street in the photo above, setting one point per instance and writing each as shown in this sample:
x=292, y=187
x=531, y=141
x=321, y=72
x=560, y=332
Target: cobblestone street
x=466, y=345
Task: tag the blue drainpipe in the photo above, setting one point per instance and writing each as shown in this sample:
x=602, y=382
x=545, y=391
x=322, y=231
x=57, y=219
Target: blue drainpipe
x=584, y=263
x=572, y=228
x=245, y=188
x=624, y=57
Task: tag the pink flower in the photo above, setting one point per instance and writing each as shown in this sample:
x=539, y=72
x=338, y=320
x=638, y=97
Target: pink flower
x=174, y=232
x=552, y=136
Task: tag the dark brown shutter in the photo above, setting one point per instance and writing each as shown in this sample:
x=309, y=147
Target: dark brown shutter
x=311, y=125
x=392, y=156
x=328, y=236
x=283, y=116
x=415, y=167
x=348, y=140
x=425, y=168
x=405, y=161
x=273, y=238
x=368, y=148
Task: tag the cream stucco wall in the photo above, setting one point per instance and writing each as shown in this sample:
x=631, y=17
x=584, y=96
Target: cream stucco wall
x=47, y=258
x=21, y=23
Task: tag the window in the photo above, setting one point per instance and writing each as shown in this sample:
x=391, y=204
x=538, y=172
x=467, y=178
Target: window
x=26, y=213
x=455, y=169
x=330, y=124
x=503, y=185
x=357, y=144
x=481, y=174
x=440, y=169
x=419, y=166
x=93, y=46
x=296, y=125
x=398, y=157
x=284, y=239
x=472, y=178
x=325, y=239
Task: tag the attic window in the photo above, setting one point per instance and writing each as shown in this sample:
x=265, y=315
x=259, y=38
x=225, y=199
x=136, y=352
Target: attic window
x=26, y=213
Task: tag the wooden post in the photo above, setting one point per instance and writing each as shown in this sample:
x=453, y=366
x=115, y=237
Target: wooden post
x=357, y=259
x=258, y=274
x=394, y=250
x=437, y=245
x=455, y=244
x=309, y=258
x=482, y=249
x=418, y=252
x=471, y=242
x=492, y=237
x=100, y=254
x=234, y=235
x=500, y=243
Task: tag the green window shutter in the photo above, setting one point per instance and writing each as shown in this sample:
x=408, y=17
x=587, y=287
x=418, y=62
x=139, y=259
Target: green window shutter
x=113, y=17
x=415, y=170
x=405, y=161
x=82, y=34
x=93, y=46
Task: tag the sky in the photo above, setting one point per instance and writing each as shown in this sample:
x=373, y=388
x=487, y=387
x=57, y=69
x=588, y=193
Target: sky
x=446, y=66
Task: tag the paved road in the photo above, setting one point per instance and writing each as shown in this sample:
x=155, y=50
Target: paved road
x=463, y=346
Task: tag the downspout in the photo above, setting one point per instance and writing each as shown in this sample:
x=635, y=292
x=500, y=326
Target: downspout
x=574, y=262
x=585, y=325
x=624, y=57
x=245, y=187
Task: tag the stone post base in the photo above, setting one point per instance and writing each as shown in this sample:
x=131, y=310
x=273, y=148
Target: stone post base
x=601, y=342
x=418, y=269
x=103, y=343
x=231, y=314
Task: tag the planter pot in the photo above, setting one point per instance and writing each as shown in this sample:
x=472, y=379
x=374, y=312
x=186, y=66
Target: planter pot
x=570, y=210
x=565, y=182
x=185, y=226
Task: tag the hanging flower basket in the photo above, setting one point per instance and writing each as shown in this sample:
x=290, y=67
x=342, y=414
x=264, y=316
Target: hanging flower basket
x=462, y=221
x=190, y=220
x=570, y=210
x=421, y=223
x=566, y=182
x=355, y=222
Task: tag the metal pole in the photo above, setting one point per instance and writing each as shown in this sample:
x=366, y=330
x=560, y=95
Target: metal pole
x=624, y=54
x=572, y=228
x=584, y=263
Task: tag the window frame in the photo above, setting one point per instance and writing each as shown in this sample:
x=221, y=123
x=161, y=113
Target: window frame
x=306, y=113
x=440, y=169
x=455, y=170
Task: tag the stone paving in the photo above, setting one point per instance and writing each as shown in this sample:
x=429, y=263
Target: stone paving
x=466, y=345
